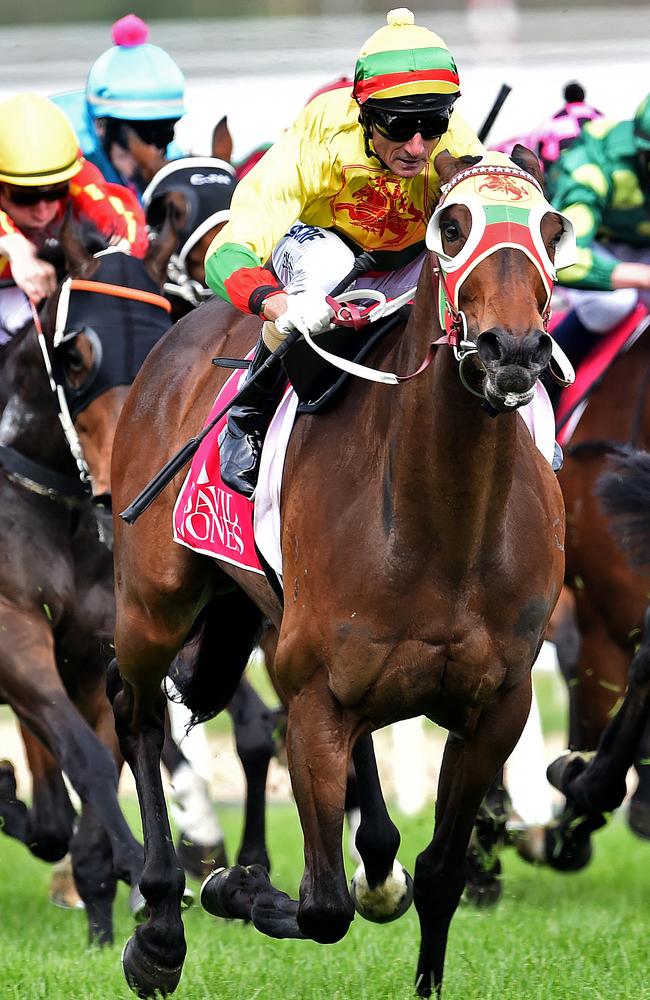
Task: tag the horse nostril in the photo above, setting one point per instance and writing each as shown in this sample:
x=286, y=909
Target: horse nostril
x=490, y=348
x=544, y=350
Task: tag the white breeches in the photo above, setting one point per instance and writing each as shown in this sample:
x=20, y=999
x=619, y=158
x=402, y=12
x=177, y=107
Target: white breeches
x=309, y=256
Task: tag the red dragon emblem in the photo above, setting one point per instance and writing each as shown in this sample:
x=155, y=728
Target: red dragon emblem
x=380, y=207
x=502, y=184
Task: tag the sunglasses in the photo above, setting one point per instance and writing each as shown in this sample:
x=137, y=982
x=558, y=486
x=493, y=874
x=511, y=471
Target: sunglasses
x=30, y=196
x=401, y=127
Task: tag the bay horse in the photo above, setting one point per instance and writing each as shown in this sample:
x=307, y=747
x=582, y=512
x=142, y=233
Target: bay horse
x=422, y=547
x=595, y=783
x=610, y=596
x=56, y=607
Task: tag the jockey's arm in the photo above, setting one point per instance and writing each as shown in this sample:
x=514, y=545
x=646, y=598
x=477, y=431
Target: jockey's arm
x=36, y=277
x=113, y=208
x=265, y=204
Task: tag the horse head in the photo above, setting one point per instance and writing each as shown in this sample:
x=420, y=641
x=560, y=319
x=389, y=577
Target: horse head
x=497, y=243
x=97, y=329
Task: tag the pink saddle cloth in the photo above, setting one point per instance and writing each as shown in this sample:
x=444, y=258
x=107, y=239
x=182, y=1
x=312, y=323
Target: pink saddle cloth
x=595, y=364
x=209, y=517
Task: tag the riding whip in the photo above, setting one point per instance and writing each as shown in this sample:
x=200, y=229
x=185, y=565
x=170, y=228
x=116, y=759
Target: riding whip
x=499, y=101
x=146, y=497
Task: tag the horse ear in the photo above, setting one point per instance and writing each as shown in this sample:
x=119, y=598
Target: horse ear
x=447, y=166
x=526, y=160
x=78, y=258
x=222, y=141
x=166, y=241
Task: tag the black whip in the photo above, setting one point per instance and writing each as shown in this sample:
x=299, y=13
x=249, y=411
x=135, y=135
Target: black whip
x=499, y=100
x=155, y=486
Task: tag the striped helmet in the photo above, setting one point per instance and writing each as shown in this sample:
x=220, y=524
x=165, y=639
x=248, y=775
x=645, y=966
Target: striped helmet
x=406, y=66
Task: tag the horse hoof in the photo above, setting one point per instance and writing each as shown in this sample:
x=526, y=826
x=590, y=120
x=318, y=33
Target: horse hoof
x=483, y=895
x=566, y=855
x=63, y=891
x=198, y=860
x=385, y=902
x=188, y=898
x=147, y=978
x=566, y=768
x=638, y=819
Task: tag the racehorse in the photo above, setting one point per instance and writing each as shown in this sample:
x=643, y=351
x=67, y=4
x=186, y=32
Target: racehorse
x=56, y=578
x=595, y=784
x=610, y=595
x=407, y=591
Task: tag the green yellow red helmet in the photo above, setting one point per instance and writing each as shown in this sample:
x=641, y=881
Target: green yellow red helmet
x=405, y=65
x=38, y=145
x=642, y=126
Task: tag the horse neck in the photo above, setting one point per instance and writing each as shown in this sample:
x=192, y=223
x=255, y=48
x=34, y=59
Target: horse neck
x=450, y=464
x=29, y=421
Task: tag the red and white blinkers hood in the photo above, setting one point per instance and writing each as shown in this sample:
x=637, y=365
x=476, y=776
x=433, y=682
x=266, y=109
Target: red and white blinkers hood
x=507, y=206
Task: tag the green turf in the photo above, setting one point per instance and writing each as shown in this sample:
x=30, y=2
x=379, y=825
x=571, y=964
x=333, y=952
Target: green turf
x=553, y=937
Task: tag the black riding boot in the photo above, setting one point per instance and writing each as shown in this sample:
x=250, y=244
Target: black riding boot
x=240, y=442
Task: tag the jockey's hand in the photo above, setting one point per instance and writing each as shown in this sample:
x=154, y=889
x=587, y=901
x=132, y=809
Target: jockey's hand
x=307, y=312
x=36, y=277
x=630, y=274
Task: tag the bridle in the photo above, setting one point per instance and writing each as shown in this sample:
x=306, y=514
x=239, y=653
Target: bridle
x=68, y=286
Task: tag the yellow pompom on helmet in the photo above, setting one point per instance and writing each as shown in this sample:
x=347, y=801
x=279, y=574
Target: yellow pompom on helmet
x=406, y=67
x=38, y=146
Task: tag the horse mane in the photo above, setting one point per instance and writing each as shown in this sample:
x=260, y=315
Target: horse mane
x=624, y=493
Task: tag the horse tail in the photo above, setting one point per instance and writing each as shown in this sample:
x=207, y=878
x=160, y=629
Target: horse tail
x=208, y=669
x=624, y=491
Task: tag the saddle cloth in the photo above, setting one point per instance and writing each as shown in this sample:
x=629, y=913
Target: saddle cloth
x=213, y=520
x=575, y=398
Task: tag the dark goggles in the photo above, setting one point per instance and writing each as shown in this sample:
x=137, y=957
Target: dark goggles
x=152, y=133
x=402, y=127
x=30, y=196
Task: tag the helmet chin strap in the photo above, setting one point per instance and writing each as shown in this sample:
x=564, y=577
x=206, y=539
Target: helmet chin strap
x=367, y=138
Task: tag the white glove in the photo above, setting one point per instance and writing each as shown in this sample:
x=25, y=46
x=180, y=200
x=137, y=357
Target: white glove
x=307, y=312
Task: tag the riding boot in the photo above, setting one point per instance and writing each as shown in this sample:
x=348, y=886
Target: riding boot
x=240, y=442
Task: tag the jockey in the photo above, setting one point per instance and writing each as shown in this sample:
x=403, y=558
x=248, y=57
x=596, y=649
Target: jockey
x=41, y=173
x=126, y=117
x=354, y=172
x=602, y=182
x=562, y=128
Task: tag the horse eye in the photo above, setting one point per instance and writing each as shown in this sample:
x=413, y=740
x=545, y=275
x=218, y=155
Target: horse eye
x=74, y=361
x=450, y=231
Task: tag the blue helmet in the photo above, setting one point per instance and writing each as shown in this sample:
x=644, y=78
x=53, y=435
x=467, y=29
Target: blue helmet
x=135, y=81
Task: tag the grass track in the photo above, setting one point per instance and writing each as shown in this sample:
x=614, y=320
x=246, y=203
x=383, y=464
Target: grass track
x=580, y=937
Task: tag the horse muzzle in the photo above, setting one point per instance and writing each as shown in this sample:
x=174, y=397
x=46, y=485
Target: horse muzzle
x=512, y=366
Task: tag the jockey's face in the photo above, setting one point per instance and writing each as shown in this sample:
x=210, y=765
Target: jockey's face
x=28, y=217
x=406, y=159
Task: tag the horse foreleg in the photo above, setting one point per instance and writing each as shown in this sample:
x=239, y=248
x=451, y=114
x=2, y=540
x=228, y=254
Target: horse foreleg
x=51, y=817
x=381, y=889
x=318, y=747
x=596, y=787
x=254, y=726
x=153, y=957
x=468, y=767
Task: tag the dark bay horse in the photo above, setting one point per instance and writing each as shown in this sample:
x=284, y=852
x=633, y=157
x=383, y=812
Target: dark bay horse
x=611, y=596
x=56, y=607
x=423, y=554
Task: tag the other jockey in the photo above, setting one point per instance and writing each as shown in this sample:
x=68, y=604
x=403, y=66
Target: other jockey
x=602, y=182
x=41, y=173
x=562, y=128
x=126, y=117
x=354, y=172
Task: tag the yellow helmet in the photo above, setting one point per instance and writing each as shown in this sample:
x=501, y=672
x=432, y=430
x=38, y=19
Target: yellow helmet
x=38, y=145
